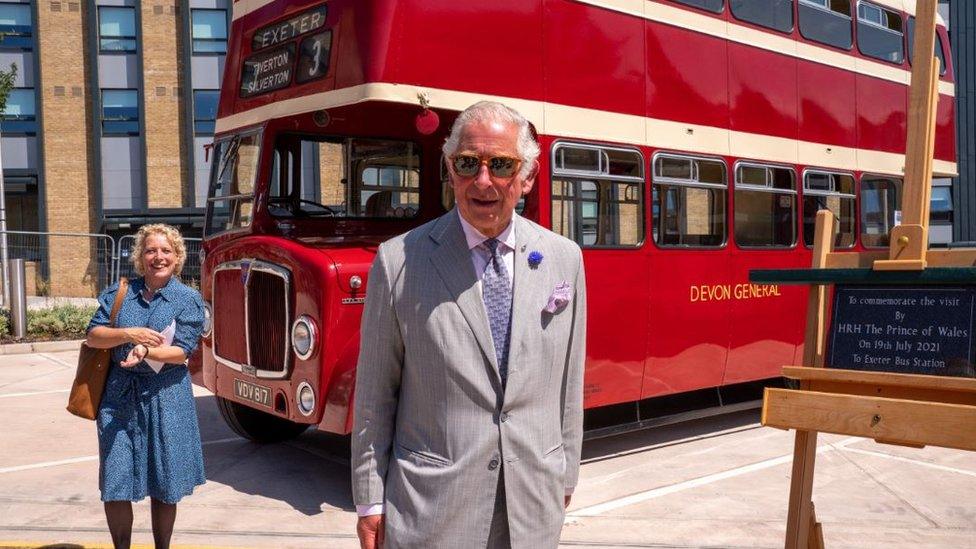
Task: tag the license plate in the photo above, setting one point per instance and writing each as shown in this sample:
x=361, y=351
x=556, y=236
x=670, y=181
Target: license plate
x=254, y=393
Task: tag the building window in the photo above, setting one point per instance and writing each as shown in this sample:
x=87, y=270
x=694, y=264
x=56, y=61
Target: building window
x=689, y=196
x=879, y=33
x=209, y=31
x=827, y=22
x=710, y=5
x=939, y=48
x=829, y=191
x=16, y=29
x=772, y=14
x=116, y=29
x=20, y=115
x=880, y=204
x=205, y=111
x=597, y=195
x=765, y=206
x=120, y=112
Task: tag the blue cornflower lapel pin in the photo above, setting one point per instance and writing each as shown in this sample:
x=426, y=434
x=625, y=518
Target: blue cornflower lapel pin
x=535, y=258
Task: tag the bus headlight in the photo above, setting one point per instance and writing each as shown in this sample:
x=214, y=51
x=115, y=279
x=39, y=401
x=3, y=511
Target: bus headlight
x=207, y=319
x=303, y=336
x=305, y=396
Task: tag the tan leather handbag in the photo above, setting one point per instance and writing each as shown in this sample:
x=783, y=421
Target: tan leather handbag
x=93, y=365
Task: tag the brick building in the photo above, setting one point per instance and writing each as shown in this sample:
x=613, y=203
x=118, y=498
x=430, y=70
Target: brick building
x=113, y=104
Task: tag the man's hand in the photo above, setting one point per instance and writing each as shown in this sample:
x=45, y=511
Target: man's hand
x=144, y=336
x=370, y=529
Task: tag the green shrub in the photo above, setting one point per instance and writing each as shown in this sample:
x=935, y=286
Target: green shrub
x=4, y=322
x=60, y=321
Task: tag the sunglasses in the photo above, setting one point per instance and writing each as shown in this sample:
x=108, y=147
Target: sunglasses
x=502, y=167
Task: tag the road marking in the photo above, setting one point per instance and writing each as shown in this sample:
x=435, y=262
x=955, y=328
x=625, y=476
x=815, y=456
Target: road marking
x=9, y=395
x=912, y=461
x=83, y=545
x=640, y=497
x=58, y=360
x=82, y=459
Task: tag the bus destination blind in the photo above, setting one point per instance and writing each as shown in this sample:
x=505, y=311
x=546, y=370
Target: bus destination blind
x=267, y=71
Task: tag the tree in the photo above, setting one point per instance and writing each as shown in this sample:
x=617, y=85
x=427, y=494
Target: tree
x=7, y=81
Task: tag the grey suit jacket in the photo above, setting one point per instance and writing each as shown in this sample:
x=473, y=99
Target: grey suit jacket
x=433, y=427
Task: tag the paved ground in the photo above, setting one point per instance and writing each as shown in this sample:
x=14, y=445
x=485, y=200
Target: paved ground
x=716, y=483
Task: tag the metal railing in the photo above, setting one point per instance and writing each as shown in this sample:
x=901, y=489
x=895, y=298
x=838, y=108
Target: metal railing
x=65, y=264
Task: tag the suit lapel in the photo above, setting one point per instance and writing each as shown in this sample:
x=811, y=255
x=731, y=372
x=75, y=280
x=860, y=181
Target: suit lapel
x=452, y=260
x=528, y=296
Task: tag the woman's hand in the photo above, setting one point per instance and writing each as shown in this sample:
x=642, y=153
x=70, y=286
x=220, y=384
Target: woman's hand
x=135, y=356
x=143, y=336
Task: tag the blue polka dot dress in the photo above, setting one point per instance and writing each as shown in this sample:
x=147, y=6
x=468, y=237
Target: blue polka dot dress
x=148, y=436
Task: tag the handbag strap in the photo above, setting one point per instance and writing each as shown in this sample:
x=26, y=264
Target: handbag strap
x=119, y=297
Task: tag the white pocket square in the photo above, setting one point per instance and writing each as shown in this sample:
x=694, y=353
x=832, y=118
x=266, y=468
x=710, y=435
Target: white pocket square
x=559, y=299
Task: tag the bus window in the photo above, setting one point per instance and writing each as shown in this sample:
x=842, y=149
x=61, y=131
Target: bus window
x=772, y=14
x=710, y=5
x=689, y=201
x=880, y=199
x=941, y=209
x=339, y=177
x=879, y=33
x=230, y=203
x=829, y=191
x=939, y=48
x=765, y=206
x=597, y=195
x=827, y=22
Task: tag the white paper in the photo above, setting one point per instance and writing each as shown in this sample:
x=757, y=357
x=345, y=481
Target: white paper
x=167, y=334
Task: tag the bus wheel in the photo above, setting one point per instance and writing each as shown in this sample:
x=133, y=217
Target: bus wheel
x=256, y=425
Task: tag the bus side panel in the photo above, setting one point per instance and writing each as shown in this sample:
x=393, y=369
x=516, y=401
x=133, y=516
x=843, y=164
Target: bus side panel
x=879, y=126
x=689, y=326
x=826, y=111
x=687, y=76
x=945, y=127
x=603, y=72
x=492, y=48
x=766, y=328
x=758, y=104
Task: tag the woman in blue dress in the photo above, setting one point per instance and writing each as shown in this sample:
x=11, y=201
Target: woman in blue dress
x=148, y=436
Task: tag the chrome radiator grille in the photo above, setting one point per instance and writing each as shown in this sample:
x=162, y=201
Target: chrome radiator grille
x=267, y=321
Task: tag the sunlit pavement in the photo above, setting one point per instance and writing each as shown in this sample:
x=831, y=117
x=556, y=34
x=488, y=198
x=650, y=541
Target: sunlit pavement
x=721, y=482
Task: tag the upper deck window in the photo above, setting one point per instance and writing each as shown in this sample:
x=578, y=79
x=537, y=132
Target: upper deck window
x=597, y=195
x=715, y=6
x=116, y=29
x=880, y=200
x=879, y=33
x=827, y=22
x=772, y=14
x=829, y=191
x=230, y=204
x=209, y=30
x=689, y=196
x=939, y=46
x=765, y=206
x=348, y=178
x=16, y=27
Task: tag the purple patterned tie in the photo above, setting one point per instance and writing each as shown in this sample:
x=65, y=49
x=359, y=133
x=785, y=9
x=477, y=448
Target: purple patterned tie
x=497, y=294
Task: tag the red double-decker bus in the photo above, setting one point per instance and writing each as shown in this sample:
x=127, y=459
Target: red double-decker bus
x=685, y=142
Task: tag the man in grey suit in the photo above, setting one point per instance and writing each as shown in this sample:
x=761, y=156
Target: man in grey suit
x=469, y=402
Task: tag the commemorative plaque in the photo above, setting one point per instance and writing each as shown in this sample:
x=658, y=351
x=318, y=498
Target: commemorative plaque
x=902, y=329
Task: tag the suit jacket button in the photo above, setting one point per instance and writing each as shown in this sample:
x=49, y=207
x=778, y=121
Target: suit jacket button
x=493, y=464
x=504, y=417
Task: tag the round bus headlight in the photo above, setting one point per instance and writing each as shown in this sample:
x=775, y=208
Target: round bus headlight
x=207, y=319
x=303, y=336
x=305, y=396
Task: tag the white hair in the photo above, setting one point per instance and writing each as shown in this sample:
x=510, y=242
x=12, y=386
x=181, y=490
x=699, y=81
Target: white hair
x=491, y=111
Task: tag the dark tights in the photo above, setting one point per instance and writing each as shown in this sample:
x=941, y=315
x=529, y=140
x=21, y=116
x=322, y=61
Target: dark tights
x=119, y=515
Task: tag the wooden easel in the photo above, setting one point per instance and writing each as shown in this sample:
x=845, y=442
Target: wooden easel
x=903, y=409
